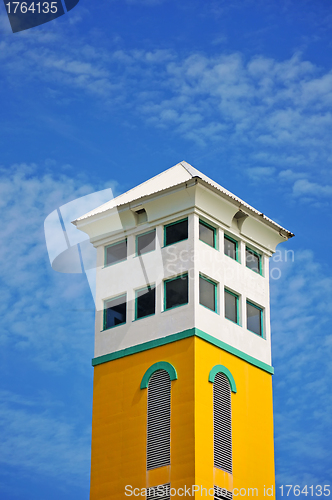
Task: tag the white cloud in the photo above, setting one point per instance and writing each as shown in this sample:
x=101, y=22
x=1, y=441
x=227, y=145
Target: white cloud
x=304, y=187
x=41, y=440
x=302, y=350
x=41, y=310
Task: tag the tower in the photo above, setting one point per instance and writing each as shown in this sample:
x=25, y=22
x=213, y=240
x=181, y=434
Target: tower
x=182, y=401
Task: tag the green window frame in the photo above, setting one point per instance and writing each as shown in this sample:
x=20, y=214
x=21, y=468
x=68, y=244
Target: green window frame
x=261, y=319
x=173, y=224
x=180, y=276
x=232, y=240
x=237, y=305
x=144, y=234
x=259, y=256
x=112, y=245
x=208, y=280
x=213, y=229
x=148, y=288
x=112, y=300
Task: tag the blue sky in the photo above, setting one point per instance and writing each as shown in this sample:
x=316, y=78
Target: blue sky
x=110, y=95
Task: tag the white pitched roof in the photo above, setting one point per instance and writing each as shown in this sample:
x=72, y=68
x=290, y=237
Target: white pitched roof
x=180, y=173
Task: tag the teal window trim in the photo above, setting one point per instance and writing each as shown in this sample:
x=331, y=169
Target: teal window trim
x=226, y=290
x=222, y=369
x=175, y=337
x=172, y=279
x=142, y=234
x=111, y=245
x=214, y=229
x=260, y=258
x=229, y=238
x=262, y=319
x=160, y=365
x=104, y=311
x=215, y=293
x=147, y=287
x=172, y=224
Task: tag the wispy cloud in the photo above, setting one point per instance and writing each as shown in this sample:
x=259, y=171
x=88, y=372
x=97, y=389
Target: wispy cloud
x=40, y=309
x=280, y=111
x=302, y=350
x=42, y=441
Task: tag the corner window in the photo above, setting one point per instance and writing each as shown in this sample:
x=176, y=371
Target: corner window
x=254, y=318
x=253, y=260
x=146, y=242
x=230, y=247
x=176, y=291
x=145, y=304
x=231, y=306
x=115, y=311
x=116, y=252
x=207, y=234
x=207, y=293
x=177, y=231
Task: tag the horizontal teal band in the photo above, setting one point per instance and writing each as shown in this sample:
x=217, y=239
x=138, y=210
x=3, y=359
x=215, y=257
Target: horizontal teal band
x=192, y=332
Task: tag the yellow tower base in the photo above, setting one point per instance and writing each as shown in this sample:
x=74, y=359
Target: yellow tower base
x=119, y=425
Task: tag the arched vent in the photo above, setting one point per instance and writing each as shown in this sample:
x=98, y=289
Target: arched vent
x=161, y=492
x=222, y=423
x=222, y=494
x=159, y=420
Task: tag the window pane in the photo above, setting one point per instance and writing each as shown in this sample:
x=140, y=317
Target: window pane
x=231, y=306
x=230, y=248
x=116, y=253
x=176, y=232
x=146, y=242
x=206, y=234
x=115, y=312
x=252, y=261
x=145, y=302
x=254, y=319
x=207, y=293
x=176, y=291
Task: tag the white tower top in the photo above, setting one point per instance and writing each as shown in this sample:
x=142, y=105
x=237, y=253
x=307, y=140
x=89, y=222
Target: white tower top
x=179, y=255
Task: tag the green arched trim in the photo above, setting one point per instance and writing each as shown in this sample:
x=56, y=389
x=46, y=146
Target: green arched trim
x=161, y=365
x=222, y=369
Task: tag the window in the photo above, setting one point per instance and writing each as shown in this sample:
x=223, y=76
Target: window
x=159, y=420
x=160, y=492
x=116, y=252
x=222, y=423
x=222, y=494
x=254, y=318
x=230, y=247
x=207, y=234
x=115, y=311
x=146, y=242
x=208, y=293
x=253, y=261
x=177, y=231
x=176, y=291
x=231, y=306
x=145, y=302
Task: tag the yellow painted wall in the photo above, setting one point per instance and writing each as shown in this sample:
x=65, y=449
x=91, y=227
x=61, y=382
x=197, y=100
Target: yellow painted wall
x=119, y=423
x=252, y=423
x=118, y=454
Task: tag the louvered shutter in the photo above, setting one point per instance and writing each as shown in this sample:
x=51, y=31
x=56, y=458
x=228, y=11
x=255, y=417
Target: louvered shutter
x=222, y=494
x=222, y=423
x=161, y=492
x=159, y=420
